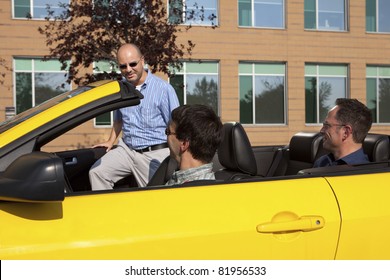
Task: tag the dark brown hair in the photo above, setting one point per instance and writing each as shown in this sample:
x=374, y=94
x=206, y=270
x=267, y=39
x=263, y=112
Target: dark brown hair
x=354, y=113
x=201, y=126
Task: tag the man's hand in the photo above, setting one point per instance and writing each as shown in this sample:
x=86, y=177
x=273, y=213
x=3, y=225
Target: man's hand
x=107, y=144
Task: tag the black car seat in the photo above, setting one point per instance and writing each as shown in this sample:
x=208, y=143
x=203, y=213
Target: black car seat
x=376, y=147
x=163, y=172
x=303, y=150
x=235, y=154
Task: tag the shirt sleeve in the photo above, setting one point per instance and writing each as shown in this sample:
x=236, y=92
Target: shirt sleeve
x=117, y=115
x=172, y=102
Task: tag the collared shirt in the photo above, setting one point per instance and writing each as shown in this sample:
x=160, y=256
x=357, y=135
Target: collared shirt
x=356, y=157
x=203, y=172
x=144, y=125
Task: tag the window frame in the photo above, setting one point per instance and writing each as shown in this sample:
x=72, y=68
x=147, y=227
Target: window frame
x=381, y=72
x=252, y=17
x=377, y=17
x=253, y=75
x=317, y=13
x=183, y=71
x=183, y=20
x=318, y=76
x=31, y=7
x=33, y=72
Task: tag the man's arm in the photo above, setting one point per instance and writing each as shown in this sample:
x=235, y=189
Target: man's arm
x=115, y=131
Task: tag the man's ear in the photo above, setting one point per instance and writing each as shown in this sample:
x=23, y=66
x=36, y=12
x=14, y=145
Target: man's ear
x=184, y=145
x=347, y=132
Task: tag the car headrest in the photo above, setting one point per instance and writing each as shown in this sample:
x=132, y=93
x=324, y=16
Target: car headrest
x=304, y=146
x=376, y=147
x=235, y=151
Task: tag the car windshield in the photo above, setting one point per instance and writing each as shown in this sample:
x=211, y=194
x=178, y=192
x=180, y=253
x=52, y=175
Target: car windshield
x=41, y=107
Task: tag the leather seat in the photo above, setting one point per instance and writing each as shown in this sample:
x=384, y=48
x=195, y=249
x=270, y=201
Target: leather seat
x=301, y=153
x=235, y=154
x=305, y=148
x=163, y=172
x=376, y=147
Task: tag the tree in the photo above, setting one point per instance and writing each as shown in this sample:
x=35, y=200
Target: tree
x=384, y=100
x=85, y=33
x=205, y=92
x=270, y=102
x=311, y=100
x=325, y=94
x=5, y=68
x=23, y=83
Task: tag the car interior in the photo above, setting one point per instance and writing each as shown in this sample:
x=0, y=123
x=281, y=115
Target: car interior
x=237, y=160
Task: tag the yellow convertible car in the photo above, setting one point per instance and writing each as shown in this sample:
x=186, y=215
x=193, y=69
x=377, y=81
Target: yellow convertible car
x=267, y=201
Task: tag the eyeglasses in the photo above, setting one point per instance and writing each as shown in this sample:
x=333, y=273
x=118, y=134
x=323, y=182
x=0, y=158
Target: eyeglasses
x=327, y=125
x=168, y=132
x=131, y=64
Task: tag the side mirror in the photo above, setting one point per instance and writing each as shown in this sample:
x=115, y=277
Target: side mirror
x=34, y=177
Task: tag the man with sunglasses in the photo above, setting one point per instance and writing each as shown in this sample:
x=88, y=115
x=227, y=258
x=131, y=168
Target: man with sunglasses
x=343, y=131
x=194, y=135
x=143, y=145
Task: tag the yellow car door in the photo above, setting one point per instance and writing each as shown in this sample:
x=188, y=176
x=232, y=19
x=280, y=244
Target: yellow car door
x=275, y=219
x=365, y=213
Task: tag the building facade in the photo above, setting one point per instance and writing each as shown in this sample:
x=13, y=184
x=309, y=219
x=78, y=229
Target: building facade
x=276, y=66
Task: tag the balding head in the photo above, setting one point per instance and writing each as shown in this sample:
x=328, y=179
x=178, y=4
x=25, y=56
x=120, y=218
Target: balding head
x=129, y=48
x=131, y=64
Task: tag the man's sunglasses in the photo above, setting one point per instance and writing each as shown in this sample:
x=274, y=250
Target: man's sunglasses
x=131, y=64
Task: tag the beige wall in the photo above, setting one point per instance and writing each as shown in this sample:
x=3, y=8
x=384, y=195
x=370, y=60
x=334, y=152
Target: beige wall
x=230, y=44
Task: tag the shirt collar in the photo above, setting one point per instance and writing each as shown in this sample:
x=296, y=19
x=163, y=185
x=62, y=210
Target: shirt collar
x=352, y=157
x=181, y=174
x=147, y=80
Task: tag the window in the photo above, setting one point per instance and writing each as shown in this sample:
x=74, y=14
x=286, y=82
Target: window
x=261, y=13
x=262, y=93
x=195, y=12
x=102, y=67
x=197, y=83
x=323, y=85
x=37, y=9
x=377, y=19
x=325, y=14
x=37, y=81
x=378, y=92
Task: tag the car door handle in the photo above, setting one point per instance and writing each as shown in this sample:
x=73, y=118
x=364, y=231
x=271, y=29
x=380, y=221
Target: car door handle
x=304, y=223
x=71, y=161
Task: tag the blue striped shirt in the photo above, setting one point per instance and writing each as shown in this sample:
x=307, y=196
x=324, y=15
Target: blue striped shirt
x=144, y=125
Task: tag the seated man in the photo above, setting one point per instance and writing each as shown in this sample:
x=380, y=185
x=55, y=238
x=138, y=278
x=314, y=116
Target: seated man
x=344, y=130
x=194, y=134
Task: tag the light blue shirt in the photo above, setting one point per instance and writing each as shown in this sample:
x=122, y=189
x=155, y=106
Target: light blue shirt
x=144, y=125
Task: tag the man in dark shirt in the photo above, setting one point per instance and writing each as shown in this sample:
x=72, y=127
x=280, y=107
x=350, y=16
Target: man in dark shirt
x=344, y=130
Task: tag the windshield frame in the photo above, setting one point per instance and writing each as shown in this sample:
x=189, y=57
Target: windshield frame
x=19, y=118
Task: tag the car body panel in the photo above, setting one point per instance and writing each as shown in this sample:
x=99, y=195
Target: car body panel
x=364, y=203
x=208, y=222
